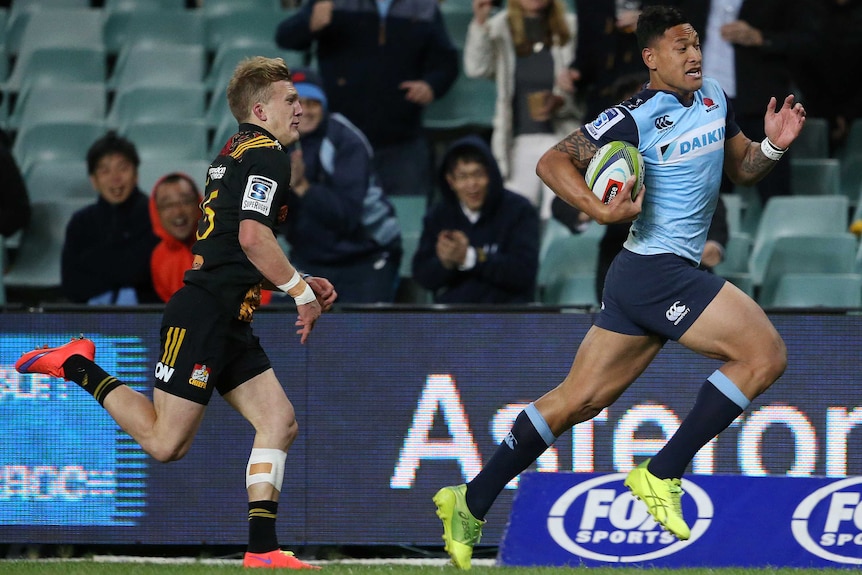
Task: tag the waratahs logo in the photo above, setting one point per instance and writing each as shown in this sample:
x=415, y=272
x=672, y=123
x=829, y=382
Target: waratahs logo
x=600, y=520
x=828, y=523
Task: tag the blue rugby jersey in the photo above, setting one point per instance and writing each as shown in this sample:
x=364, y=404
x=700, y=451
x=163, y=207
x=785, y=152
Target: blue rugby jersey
x=683, y=151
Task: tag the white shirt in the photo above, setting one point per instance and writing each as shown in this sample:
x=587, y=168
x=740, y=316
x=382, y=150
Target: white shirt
x=718, y=53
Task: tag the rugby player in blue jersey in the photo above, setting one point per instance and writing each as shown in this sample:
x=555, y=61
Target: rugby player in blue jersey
x=684, y=127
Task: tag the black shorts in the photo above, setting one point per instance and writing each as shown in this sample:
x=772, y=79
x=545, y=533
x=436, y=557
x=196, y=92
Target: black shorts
x=660, y=294
x=205, y=348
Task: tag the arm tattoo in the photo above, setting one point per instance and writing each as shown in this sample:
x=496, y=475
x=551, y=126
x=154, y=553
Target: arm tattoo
x=755, y=165
x=579, y=149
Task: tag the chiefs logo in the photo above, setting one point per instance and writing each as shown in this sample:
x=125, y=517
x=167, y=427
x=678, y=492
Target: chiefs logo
x=282, y=214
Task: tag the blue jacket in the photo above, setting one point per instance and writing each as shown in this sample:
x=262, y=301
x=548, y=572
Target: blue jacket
x=507, y=231
x=344, y=214
x=363, y=60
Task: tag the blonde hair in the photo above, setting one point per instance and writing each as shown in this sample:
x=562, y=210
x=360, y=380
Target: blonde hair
x=252, y=83
x=556, y=32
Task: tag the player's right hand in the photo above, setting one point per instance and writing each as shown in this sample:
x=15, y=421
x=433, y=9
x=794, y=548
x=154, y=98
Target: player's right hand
x=308, y=316
x=622, y=208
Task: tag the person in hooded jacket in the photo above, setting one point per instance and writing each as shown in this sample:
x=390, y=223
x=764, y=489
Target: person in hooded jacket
x=107, y=246
x=480, y=241
x=337, y=200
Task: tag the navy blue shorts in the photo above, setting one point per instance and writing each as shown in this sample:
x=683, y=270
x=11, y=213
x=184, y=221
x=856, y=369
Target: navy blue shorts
x=661, y=294
x=204, y=349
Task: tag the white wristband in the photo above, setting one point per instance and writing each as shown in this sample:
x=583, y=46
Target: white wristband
x=307, y=296
x=770, y=150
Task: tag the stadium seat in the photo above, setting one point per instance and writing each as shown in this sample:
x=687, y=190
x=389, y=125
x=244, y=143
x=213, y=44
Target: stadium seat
x=470, y=102
x=47, y=181
x=227, y=57
x=828, y=253
x=793, y=216
x=853, y=145
x=30, y=28
x=82, y=101
x=226, y=128
x=151, y=170
x=57, y=66
x=211, y=7
x=567, y=257
x=812, y=177
x=819, y=290
x=552, y=230
x=144, y=103
x=410, y=211
x=169, y=139
x=457, y=21
x=148, y=65
x=813, y=141
x=37, y=263
x=736, y=254
x=735, y=208
x=137, y=5
x=49, y=142
x=123, y=29
x=240, y=28
x=851, y=178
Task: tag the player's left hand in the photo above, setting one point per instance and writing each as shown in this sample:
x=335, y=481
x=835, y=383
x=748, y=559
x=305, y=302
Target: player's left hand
x=783, y=127
x=324, y=290
x=418, y=91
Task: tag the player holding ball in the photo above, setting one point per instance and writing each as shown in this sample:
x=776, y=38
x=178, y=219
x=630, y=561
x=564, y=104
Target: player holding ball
x=684, y=127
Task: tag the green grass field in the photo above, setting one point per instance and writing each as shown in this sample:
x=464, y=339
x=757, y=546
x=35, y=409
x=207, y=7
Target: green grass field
x=88, y=567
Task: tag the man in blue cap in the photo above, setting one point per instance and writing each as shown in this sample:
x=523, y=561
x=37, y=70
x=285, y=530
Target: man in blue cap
x=336, y=199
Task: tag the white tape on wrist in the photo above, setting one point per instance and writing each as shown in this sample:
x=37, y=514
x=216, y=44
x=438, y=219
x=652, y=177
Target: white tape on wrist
x=307, y=296
x=294, y=281
x=770, y=150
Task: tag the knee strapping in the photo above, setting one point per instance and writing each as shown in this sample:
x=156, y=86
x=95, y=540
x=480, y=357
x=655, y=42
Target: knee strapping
x=265, y=466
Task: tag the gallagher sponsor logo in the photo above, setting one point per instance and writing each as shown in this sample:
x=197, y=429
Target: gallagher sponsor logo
x=828, y=523
x=600, y=520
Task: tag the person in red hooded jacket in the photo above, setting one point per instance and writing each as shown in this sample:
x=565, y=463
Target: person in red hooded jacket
x=174, y=212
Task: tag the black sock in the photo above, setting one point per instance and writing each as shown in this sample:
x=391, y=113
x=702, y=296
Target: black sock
x=261, y=526
x=519, y=450
x=91, y=377
x=712, y=413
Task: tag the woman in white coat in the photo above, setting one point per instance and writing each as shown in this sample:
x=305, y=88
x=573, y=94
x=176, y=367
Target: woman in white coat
x=524, y=48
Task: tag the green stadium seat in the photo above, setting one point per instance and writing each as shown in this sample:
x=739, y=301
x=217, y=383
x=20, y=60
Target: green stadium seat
x=54, y=141
x=124, y=29
x=468, y=103
x=141, y=103
x=82, y=101
x=813, y=290
x=56, y=66
x=569, y=263
x=47, y=181
x=828, y=253
x=815, y=176
x=169, y=139
x=147, y=65
x=813, y=141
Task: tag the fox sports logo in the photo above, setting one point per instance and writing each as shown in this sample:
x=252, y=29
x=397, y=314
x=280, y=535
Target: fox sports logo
x=600, y=520
x=828, y=523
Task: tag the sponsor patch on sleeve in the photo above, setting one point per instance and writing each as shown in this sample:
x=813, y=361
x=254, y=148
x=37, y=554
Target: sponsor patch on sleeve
x=604, y=122
x=258, y=195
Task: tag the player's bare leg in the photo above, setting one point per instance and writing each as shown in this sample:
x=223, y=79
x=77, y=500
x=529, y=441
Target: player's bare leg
x=733, y=328
x=164, y=427
x=262, y=401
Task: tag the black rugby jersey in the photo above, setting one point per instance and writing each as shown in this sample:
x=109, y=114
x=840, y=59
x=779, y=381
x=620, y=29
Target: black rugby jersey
x=249, y=179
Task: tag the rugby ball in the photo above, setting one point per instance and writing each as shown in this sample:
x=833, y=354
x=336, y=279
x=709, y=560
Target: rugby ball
x=613, y=164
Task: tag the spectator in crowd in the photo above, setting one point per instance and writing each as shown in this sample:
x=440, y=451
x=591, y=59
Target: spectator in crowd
x=749, y=46
x=14, y=201
x=174, y=212
x=839, y=26
x=336, y=199
x=107, y=248
x=480, y=241
x=531, y=113
x=607, y=51
x=380, y=68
